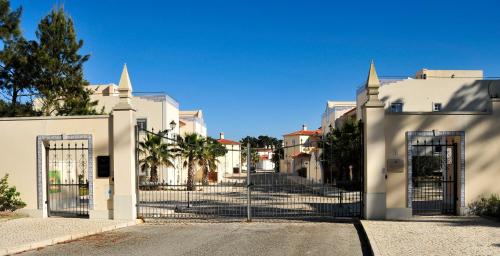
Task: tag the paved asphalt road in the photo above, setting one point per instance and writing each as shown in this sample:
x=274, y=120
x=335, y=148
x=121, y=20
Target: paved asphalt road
x=264, y=238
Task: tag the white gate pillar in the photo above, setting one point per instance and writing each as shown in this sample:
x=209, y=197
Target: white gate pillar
x=124, y=198
x=374, y=150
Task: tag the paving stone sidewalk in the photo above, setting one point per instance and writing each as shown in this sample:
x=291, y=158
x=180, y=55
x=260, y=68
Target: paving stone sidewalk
x=23, y=234
x=434, y=236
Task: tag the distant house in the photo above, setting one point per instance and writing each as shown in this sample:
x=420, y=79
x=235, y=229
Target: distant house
x=333, y=111
x=192, y=122
x=230, y=164
x=265, y=159
x=300, y=148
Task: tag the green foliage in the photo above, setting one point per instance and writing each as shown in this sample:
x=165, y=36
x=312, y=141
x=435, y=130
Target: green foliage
x=50, y=69
x=153, y=153
x=190, y=148
x=486, y=206
x=277, y=155
x=254, y=156
x=16, y=65
x=196, y=150
x=341, y=149
x=9, y=21
x=60, y=80
x=263, y=141
x=9, y=197
x=212, y=149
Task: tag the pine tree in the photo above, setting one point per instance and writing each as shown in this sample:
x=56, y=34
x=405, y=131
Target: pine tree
x=9, y=21
x=60, y=82
x=15, y=64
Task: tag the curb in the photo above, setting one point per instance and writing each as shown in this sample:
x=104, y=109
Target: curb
x=371, y=240
x=65, y=238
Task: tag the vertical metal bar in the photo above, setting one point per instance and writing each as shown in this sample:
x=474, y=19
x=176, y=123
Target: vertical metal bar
x=249, y=204
x=47, y=183
x=138, y=199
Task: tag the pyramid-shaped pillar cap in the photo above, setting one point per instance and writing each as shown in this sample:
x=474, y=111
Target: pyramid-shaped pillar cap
x=372, y=80
x=125, y=84
x=371, y=87
x=125, y=91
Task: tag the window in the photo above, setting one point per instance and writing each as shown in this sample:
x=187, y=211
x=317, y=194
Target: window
x=293, y=142
x=397, y=107
x=437, y=107
x=142, y=124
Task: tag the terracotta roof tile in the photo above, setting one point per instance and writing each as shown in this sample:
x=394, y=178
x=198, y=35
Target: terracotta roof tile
x=228, y=142
x=305, y=132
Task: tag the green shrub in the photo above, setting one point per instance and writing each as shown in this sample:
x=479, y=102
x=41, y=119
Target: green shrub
x=486, y=206
x=9, y=197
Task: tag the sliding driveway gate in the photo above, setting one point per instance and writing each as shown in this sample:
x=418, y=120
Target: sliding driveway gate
x=255, y=195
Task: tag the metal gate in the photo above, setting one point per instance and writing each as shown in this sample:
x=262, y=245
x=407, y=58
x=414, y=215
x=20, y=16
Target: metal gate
x=67, y=185
x=249, y=193
x=434, y=176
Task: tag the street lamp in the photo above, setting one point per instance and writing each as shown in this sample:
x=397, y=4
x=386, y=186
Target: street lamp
x=172, y=125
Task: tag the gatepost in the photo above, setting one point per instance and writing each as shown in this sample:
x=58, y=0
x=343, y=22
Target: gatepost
x=124, y=198
x=374, y=150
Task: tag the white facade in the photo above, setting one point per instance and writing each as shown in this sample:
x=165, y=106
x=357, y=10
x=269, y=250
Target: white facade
x=229, y=165
x=192, y=122
x=155, y=112
x=435, y=90
x=334, y=110
x=265, y=159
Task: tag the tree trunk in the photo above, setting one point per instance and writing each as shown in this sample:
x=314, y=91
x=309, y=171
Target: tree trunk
x=13, y=104
x=190, y=180
x=204, y=181
x=154, y=174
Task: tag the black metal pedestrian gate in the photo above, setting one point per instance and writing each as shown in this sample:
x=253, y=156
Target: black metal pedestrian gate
x=252, y=194
x=434, y=176
x=67, y=185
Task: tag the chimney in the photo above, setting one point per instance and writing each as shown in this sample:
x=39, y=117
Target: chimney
x=221, y=135
x=304, y=127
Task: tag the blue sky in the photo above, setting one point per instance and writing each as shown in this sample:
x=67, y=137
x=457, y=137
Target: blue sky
x=266, y=67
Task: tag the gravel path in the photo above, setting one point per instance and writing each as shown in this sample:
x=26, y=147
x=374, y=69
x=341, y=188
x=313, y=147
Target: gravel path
x=19, y=233
x=218, y=239
x=435, y=236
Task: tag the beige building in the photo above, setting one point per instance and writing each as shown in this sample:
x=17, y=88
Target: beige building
x=430, y=142
x=230, y=164
x=445, y=91
x=334, y=110
x=298, y=148
x=192, y=122
x=154, y=112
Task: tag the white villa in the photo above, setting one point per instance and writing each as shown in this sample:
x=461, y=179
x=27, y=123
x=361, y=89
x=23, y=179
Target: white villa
x=334, y=110
x=230, y=164
x=192, y=122
x=155, y=112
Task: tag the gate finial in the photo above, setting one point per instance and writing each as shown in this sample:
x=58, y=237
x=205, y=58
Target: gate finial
x=125, y=90
x=372, y=85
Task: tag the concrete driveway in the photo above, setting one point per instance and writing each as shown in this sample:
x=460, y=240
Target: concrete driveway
x=282, y=238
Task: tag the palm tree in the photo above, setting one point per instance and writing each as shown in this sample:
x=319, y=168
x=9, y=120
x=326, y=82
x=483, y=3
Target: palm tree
x=254, y=157
x=212, y=149
x=190, y=148
x=154, y=154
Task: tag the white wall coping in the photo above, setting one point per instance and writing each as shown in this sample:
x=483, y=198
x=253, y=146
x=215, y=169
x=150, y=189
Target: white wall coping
x=440, y=113
x=27, y=118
